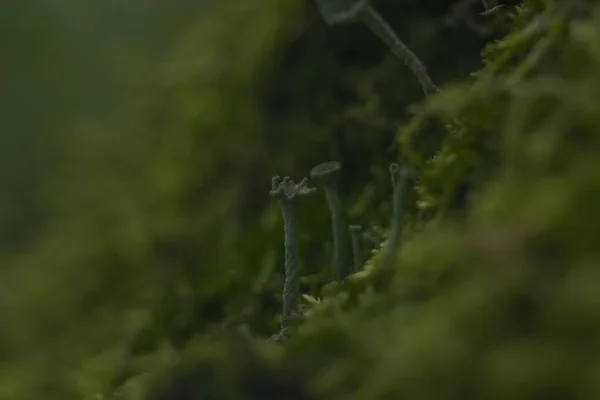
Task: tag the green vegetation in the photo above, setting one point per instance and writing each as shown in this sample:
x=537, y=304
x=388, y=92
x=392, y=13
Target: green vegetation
x=143, y=257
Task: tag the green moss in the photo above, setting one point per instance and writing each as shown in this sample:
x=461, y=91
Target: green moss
x=500, y=301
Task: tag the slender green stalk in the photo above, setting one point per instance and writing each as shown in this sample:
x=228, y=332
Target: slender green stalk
x=378, y=25
x=357, y=255
x=288, y=193
x=327, y=174
x=349, y=11
x=339, y=233
x=399, y=177
x=291, y=285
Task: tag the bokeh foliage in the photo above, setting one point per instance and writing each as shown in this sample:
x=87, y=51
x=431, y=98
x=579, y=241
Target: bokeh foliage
x=138, y=236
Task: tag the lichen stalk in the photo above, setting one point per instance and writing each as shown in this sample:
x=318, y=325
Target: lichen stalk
x=327, y=173
x=291, y=285
x=378, y=25
x=357, y=256
x=399, y=177
x=288, y=193
x=338, y=223
x=336, y=12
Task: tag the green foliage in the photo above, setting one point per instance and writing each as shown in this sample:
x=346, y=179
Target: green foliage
x=157, y=276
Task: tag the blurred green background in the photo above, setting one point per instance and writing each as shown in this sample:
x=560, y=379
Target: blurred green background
x=138, y=139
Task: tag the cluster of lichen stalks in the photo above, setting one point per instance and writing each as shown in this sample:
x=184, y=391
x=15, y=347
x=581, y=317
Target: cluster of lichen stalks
x=327, y=174
x=288, y=193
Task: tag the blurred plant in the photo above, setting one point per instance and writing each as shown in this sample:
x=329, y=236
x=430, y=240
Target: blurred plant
x=399, y=179
x=357, y=256
x=327, y=174
x=349, y=11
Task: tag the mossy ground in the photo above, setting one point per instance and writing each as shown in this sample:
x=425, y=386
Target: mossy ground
x=495, y=298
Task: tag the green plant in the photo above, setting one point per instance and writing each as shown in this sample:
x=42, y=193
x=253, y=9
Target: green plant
x=327, y=174
x=288, y=193
x=357, y=256
x=399, y=177
x=349, y=11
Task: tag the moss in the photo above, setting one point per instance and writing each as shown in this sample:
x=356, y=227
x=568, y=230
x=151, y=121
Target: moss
x=498, y=302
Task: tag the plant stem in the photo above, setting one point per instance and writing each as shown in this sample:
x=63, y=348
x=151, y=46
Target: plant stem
x=291, y=284
x=377, y=24
x=356, y=247
x=338, y=228
x=399, y=177
x=288, y=194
